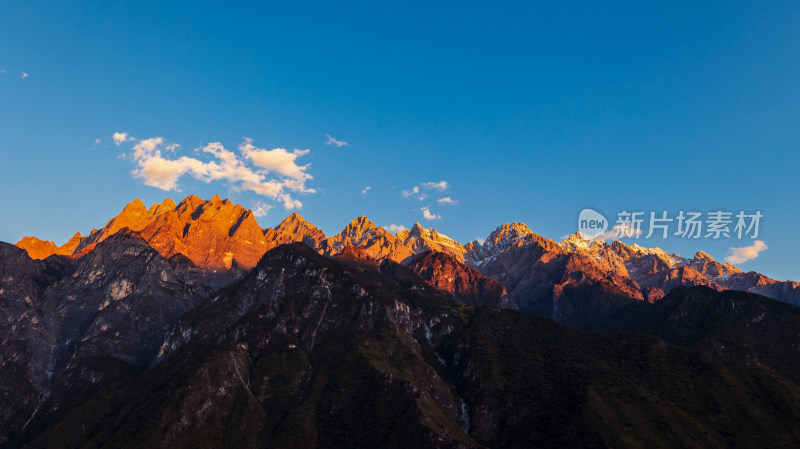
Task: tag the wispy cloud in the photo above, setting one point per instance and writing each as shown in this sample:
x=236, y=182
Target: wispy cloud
x=23, y=75
x=120, y=138
x=480, y=240
x=94, y=144
x=394, y=229
x=418, y=192
x=441, y=185
x=428, y=215
x=366, y=189
x=745, y=253
x=271, y=173
x=413, y=191
x=261, y=209
x=333, y=141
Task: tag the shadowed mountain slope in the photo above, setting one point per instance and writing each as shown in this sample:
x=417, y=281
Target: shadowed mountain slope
x=306, y=351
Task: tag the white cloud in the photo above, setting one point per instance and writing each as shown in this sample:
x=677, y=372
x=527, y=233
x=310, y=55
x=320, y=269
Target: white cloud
x=480, y=240
x=745, y=253
x=366, y=189
x=394, y=229
x=145, y=148
x=120, y=138
x=441, y=185
x=289, y=203
x=271, y=173
x=276, y=160
x=408, y=193
x=447, y=201
x=332, y=141
x=96, y=141
x=2, y=70
x=426, y=213
x=23, y=75
x=261, y=209
x=155, y=171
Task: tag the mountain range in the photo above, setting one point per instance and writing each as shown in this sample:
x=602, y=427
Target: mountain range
x=540, y=275
x=189, y=325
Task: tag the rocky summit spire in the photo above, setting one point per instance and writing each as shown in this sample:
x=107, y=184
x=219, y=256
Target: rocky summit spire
x=36, y=248
x=164, y=206
x=294, y=224
x=375, y=242
x=507, y=233
x=295, y=228
x=701, y=255
x=135, y=206
x=419, y=240
x=294, y=217
x=359, y=226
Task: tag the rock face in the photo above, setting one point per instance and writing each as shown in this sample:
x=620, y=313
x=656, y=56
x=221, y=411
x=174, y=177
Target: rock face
x=27, y=334
x=75, y=325
x=552, y=280
x=504, y=237
x=295, y=229
x=309, y=351
x=298, y=334
x=579, y=281
x=657, y=271
x=445, y=273
x=419, y=239
x=215, y=234
x=42, y=249
x=134, y=216
x=114, y=310
x=375, y=241
x=381, y=244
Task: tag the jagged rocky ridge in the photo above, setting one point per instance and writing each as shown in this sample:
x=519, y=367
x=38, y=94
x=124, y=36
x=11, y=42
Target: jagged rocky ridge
x=577, y=281
x=351, y=351
x=570, y=281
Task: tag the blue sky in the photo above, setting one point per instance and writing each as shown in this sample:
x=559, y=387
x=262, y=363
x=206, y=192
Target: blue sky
x=529, y=111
